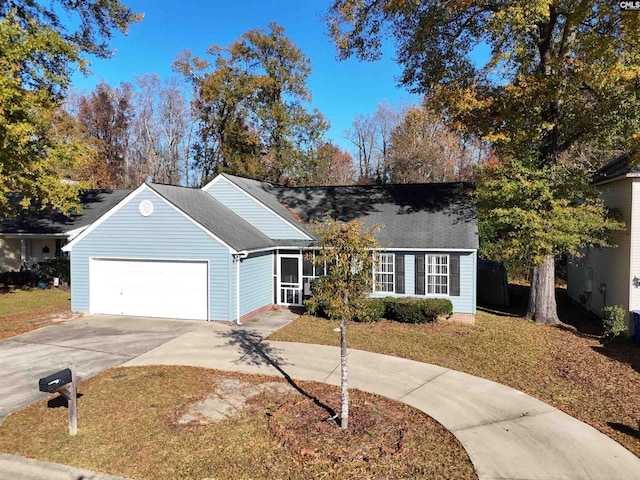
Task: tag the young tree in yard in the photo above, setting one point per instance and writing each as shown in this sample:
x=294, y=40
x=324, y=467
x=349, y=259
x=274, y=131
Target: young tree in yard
x=38, y=51
x=346, y=249
x=560, y=74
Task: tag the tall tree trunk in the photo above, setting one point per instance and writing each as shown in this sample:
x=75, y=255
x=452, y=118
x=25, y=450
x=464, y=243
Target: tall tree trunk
x=344, y=377
x=542, y=296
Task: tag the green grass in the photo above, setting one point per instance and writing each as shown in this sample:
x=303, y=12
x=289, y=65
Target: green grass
x=596, y=382
x=22, y=310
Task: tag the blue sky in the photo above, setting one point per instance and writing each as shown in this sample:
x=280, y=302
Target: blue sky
x=340, y=90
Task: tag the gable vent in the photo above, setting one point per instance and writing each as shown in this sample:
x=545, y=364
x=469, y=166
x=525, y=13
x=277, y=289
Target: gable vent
x=145, y=208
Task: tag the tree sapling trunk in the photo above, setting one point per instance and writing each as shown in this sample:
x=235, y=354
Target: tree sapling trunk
x=344, y=375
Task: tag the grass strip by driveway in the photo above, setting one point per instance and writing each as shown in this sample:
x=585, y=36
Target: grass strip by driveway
x=23, y=310
x=129, y=425
x=594, y=382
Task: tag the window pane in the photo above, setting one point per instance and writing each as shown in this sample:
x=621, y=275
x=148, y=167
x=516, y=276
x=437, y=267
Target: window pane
x=384, y=272
x=307, y=268
x=437, y=274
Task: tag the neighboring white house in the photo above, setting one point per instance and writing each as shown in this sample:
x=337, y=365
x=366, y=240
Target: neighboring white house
x=34, y=238
x=611, y=276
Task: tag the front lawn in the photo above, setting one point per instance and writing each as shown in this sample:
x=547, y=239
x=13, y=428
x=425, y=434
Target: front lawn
x=192, y=423
x=575, y=372
x=23, y=310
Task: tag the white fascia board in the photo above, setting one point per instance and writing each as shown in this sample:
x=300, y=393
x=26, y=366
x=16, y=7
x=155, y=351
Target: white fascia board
x=212, y=182
x=616, y=179
x=200, y=226
x=33, y=235
x=394, y=249
x=69, y=246
x=74, y=233
x=260, y=250
x=295, y=227
x=379, y=249
x=144, y=187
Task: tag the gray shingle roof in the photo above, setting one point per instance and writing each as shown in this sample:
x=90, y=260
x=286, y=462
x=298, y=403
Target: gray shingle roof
x=617, y=167
x=422, y=216
x=266, y=193
x=214, y=216
x=95, y=203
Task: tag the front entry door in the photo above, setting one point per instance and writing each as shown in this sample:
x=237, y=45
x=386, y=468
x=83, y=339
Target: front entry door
x=290, y=289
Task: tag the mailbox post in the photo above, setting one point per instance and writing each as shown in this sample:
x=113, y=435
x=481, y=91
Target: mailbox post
x=64, y=383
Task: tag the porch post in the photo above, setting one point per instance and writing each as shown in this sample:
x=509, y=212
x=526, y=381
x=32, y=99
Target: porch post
x=23, y=251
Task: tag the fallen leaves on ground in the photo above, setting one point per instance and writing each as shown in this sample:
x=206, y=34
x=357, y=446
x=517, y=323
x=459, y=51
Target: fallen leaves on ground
x=570, y=367
x=130, y=425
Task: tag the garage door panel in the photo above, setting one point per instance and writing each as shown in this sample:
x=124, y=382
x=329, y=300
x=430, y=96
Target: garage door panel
x=172, y=289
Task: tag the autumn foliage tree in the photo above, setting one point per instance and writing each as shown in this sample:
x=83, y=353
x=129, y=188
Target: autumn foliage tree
x=424, y=149
x=106, y=115
x=330, y=165
x=250, y=105
x=560, y=75
x=345, y=252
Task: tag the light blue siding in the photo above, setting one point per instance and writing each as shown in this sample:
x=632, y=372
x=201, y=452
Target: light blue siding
x=252, y=211
x=256, y=282
x=165, y=234
x=465, y=302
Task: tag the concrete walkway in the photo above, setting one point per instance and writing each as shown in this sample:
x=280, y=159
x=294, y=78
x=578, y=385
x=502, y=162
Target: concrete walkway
x=507, y=434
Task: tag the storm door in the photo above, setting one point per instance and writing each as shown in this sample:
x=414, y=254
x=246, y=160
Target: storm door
x=290, y=285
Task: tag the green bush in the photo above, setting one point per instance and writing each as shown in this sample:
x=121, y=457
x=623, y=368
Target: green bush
x=23, y=277
x=368, y=310
x=613, y=323
x=416, y=310
x=56, y=267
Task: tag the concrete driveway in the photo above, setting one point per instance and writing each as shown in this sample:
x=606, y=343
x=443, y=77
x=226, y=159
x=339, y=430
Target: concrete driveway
x=91, y=343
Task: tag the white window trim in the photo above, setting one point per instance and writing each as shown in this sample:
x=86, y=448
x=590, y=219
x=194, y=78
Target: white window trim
x=392, y=272
x=426, y=275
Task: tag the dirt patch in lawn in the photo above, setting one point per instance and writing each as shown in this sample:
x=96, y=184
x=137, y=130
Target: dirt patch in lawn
x=377, y=427
x=230, y=397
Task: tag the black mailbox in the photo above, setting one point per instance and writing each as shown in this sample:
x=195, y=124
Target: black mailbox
x=55, y=381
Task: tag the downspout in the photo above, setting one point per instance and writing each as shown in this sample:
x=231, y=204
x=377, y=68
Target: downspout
x=237, y=258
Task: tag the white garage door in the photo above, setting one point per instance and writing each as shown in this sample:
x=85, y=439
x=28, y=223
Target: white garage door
x=147, y=288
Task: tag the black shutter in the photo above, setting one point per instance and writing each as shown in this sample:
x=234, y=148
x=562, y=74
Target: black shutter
x=399, y=273
x=454, y=275
x=419, y=274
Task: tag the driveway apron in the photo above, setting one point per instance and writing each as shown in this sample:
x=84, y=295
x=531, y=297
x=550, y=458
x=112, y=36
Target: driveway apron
x=91, y=344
